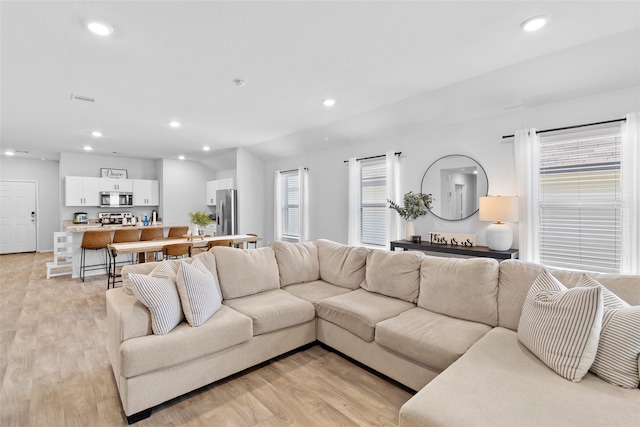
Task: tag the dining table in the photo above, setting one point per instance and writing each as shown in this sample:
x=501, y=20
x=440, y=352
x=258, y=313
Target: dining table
x=237, y=240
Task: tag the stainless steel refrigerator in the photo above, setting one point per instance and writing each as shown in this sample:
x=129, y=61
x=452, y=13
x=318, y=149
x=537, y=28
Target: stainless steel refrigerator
x=226, y=212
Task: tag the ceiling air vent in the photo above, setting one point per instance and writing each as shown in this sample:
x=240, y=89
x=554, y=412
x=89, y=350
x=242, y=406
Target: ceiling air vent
x=82, y=98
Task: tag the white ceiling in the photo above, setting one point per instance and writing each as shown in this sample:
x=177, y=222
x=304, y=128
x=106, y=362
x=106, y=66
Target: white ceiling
x=177, y=60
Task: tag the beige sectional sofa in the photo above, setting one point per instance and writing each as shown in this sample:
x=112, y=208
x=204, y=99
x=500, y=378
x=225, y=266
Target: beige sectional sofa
x=444, y=327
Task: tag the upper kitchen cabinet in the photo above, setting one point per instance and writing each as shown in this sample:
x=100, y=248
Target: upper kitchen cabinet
x=146, y=192
x=82, y=191
x=121, y=185
x=219, y=184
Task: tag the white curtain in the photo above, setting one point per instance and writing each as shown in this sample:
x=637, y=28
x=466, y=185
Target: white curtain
x=277, y=206
x=394, y=222
x=631, y=194
x=304, y=204
x=353, y=203
x=527, y=149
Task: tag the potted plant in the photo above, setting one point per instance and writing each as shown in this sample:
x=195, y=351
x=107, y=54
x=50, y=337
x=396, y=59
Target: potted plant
x=198, y=219
x=414, y=206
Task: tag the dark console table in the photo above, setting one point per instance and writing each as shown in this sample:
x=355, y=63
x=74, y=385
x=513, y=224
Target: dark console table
x=473, y=251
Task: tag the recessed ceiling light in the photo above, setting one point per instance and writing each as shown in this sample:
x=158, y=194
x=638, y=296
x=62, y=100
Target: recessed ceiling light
x=10, y=153
x=181, y=157
x=534, y=24
x=206, y=148
x=99, y=28
x=329, y=102
x=174, y=124
x=87, y=148
x=96, y=133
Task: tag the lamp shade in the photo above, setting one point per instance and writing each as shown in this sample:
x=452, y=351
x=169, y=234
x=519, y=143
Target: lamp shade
x=499, y=208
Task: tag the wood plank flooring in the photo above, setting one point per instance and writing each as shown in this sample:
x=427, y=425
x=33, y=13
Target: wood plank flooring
x=55, y=371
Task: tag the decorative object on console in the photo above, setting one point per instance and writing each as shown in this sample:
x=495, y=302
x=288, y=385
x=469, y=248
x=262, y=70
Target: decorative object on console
x=499, y=210
x=453, y=239
x=414, y=206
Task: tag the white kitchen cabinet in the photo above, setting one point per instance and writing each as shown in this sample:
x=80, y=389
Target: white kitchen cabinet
x=82, y=191
x=219, y=184
x=146, y=192
x=122, y=185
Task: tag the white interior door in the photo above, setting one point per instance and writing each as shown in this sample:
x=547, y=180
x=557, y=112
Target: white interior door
x=17, y=216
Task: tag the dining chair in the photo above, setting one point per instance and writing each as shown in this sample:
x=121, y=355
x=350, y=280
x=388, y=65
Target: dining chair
x=213, y=243
x=177, y=250
x=155, y=233
x=255, y=243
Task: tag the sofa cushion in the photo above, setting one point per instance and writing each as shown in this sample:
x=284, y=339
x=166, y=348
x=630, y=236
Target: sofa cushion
x=517, y=276
x=224, y=329
x=199, y=292
x=243, y=272
x=433, y=339
x=316, y=291
x=341, y=265
x=462, y=288
x=394, y=274
x=619, y=348
x=297, y=262
x=498, y=382
x=273, y=310
x=157, y=291
x=359, y=311
x=562, y=326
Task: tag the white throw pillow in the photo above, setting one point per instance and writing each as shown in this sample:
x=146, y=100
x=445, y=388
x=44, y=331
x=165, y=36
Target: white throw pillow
x=562, y=326
x=198, y=291
x=157, y=291
x=619, y=347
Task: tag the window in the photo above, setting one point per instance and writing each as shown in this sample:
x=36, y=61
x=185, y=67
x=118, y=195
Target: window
x=373, y=181
x=373, y=202
x=580, y=201
x=290, y=206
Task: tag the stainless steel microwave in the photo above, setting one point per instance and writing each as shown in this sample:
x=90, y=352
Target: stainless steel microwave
x=114, y=199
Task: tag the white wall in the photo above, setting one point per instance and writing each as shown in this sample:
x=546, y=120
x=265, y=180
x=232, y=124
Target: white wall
x=45, y=173
x=423, y=142
x=183, y=190
x=251, y=187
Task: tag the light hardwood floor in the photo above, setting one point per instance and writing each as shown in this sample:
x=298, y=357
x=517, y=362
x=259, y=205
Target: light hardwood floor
x=55, y=371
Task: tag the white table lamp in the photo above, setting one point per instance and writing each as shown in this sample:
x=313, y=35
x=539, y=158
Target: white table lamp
x=499, y=209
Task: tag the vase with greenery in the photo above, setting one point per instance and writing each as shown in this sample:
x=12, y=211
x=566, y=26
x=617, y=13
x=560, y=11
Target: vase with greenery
x=198, y=219
x=414, y=205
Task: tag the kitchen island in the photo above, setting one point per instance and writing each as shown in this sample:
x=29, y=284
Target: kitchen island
x=100, y=257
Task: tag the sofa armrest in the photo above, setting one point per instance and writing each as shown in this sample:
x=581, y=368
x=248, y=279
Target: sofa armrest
x=126, y=318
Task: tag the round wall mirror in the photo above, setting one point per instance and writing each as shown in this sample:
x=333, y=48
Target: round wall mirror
x=456, y=183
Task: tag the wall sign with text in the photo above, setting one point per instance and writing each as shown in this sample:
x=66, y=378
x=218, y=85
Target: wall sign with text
x=113, y=173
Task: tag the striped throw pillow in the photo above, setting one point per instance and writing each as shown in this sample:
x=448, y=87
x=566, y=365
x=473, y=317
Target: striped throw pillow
x=562, y=326
x=619, y=348
x=160, y=296
x=199, y=292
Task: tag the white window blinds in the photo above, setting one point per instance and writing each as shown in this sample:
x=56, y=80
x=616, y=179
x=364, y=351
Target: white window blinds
x=290, y=205
x=373, y=202
x=580, y=201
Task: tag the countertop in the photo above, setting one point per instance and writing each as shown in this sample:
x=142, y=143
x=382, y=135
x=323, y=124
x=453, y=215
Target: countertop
x=81, y=228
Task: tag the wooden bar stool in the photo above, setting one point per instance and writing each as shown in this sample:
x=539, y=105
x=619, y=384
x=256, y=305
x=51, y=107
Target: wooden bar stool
x=177, y=250
x=177, y=232
x=94, y=240
x=150, y=234
x=121, y=235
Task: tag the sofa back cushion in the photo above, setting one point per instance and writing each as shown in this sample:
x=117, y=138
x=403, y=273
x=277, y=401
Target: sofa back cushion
x=462, y=288
x=342, y=265
x=243, y=272
x=394, y=274
x=516, y=277
x=297, y=262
